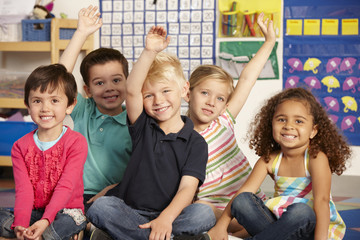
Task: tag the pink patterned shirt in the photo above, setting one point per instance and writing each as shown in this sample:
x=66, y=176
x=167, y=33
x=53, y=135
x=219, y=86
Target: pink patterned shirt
x=49, y=180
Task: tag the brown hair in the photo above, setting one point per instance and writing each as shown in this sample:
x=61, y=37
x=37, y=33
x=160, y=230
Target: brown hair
x=328, y=138
x=102, y=56
x=205, y=72
x=49, y=78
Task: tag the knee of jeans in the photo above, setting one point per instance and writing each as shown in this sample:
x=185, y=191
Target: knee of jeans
x=302, y=211
x=242, y=202
x=202, y=213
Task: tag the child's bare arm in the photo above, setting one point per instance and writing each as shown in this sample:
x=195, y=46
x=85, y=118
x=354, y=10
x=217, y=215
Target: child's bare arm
x=321, y=182
x=253, y=69
x=156, y=41
x=162, y=225
x=252, y=184
x=89, y=21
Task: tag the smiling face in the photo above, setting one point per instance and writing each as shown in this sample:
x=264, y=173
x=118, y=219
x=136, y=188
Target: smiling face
x=207, y=101
x=107, y=87
x=162, y=100
x=48, y=110
x=293, y=125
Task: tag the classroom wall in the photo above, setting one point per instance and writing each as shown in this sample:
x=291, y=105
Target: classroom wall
x=262, y=90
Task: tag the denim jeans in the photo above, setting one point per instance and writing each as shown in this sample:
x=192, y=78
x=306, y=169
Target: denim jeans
x=122, y=222
x=298, y=222
x=63, y=226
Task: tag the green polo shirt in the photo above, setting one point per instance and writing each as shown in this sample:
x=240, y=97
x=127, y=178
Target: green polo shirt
x=109, y=144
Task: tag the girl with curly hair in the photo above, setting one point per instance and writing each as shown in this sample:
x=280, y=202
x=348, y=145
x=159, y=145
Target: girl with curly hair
x=299, y=147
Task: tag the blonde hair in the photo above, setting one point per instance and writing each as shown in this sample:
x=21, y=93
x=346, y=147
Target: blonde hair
x=205, y=72
x=166, y=67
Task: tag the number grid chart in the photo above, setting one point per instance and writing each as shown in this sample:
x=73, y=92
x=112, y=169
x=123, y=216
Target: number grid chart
x=190, y=24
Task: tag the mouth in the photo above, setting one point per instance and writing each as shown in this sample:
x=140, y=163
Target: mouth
x=207, y=111
x=160, y=110
x=111, y=98
x=46, y=118
x=287, y=136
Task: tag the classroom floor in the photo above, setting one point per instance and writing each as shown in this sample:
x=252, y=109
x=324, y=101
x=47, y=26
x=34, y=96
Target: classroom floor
x=348, y=207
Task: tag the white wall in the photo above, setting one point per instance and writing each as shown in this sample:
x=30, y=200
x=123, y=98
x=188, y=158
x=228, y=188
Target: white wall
x=262, y=90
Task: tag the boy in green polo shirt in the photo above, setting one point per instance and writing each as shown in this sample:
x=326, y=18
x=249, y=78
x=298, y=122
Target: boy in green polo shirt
x=101, y=117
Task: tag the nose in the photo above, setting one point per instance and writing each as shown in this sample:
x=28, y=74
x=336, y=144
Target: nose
x=210, y=101
x=44, y=106
x=158, y=99
x=288, y=125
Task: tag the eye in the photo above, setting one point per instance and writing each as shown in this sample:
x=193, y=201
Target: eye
x=99, y=83
x=204, y=93
x=54, y=101
x=281, y=120
x=36, y=101
x=147, y=96
x=117, y=80
x=166, y=91
x=221, y=99
x=299, y=121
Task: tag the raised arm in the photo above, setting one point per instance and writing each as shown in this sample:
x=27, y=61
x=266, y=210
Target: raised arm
x=252, y=70
x=89, y=21
x=156, y=41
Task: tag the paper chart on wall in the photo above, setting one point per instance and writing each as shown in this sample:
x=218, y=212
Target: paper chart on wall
x=190, y=23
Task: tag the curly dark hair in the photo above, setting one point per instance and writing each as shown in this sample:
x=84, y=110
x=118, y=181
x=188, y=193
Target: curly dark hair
x=328, y=138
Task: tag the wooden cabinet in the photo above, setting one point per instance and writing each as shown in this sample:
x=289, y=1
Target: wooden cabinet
x=54, y=46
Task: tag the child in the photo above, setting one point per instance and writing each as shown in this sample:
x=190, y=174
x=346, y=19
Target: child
x=48, y=163
x=213, y=107
x=168, y=160
x=299, y=147
x=101, y=118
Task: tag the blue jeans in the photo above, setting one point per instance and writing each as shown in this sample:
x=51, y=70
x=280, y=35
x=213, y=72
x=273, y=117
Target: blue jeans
x=122, y=222
x=63, y=226
x=298, y=222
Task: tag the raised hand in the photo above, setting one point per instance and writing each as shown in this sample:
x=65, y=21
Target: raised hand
x=89, y=20
x=267, y=28
x=156, y=39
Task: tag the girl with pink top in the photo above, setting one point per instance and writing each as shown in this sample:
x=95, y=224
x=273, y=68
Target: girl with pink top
x=47, y=163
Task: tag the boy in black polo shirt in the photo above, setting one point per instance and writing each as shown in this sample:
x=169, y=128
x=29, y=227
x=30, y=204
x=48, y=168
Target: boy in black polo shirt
x=169, y=157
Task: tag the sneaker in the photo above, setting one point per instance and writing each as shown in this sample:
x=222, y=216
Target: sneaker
x=203, y=236
x=99, y=234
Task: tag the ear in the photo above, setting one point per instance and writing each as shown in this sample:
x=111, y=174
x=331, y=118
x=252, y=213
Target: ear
x=314, y=131
x=87, y=91
x=185, y=91
x=70, y=108
x=187, y=97
x=27, y=106
x=224, y=109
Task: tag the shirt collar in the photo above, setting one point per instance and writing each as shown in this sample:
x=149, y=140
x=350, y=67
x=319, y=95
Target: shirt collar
x=184, y=133
x=120, y=118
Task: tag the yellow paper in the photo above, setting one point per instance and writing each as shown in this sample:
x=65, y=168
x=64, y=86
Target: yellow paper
x=294, y=27
x=350, y=26
x=330, y=27
x=311, y=27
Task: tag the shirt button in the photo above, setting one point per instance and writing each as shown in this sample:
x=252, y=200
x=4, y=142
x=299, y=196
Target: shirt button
x=42, y=182
x=101, y=129
x=102, y=117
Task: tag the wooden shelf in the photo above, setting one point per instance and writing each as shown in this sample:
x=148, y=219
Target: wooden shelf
x=5, y=161
x=25, y=46
x=12, y=103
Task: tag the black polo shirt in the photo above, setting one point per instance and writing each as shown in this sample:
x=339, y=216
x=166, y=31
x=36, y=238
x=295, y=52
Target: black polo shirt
x=158, y=162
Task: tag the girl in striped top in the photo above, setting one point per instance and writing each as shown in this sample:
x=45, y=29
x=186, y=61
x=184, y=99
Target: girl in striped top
x=213, y=106
x=299, y=147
